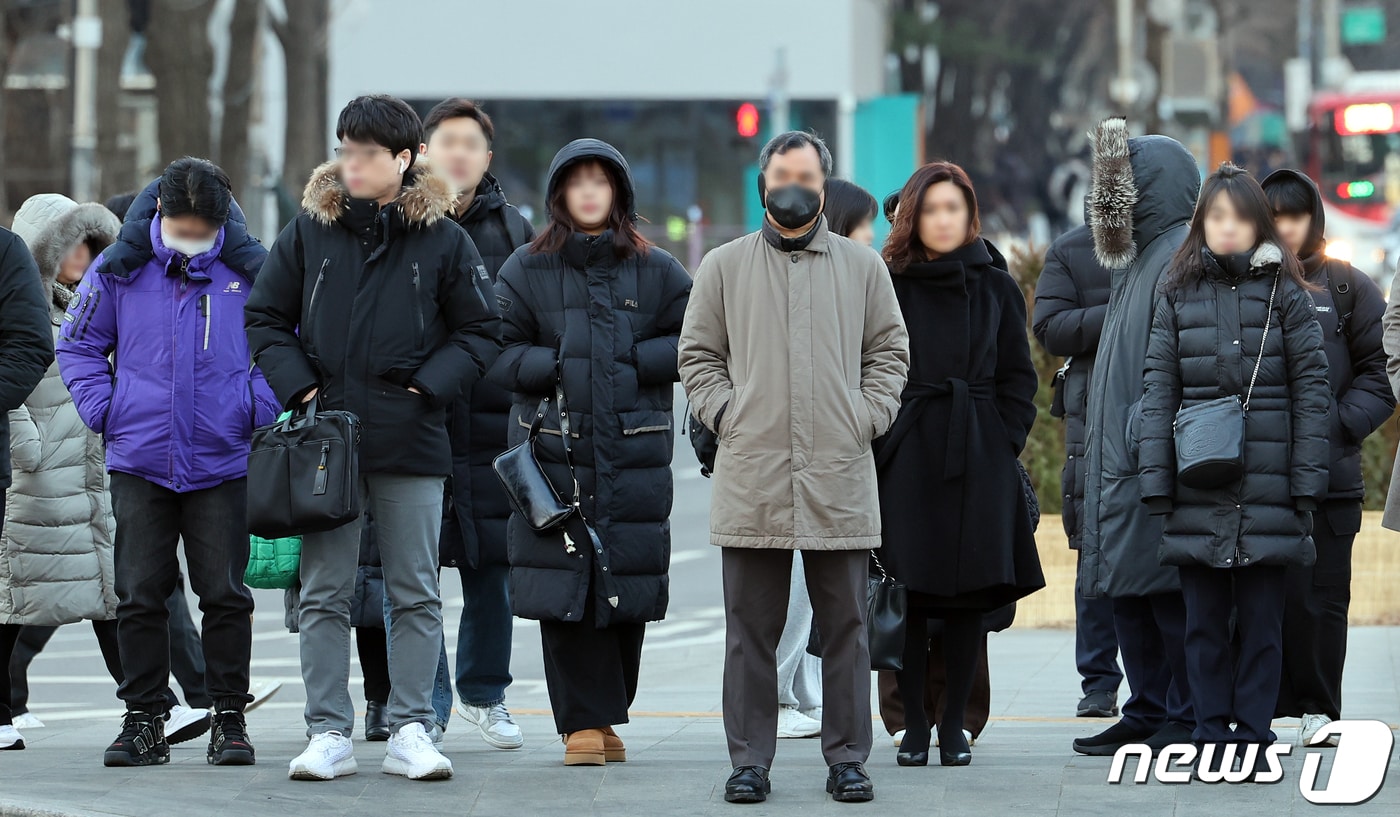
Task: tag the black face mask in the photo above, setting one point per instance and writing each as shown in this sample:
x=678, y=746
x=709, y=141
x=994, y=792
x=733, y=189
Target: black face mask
x=792, y=206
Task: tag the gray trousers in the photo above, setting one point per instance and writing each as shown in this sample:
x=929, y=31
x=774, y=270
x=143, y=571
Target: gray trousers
x=408, y=516
x=756, y=584
x=799, y=672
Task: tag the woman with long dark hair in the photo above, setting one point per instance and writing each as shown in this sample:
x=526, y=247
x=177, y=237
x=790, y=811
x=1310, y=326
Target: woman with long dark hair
x=1236, y=319
x=956, y=527
x=593, y=311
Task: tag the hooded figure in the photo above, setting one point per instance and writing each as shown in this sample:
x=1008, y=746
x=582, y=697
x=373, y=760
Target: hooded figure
x=594, y=315
x=56, y=549
x=606, y=330
x=1144, y=193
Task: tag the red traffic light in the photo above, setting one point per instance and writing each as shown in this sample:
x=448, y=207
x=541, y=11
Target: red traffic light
x=746, y=120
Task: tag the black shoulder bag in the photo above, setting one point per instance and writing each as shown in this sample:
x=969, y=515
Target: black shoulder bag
x=527, y=485
x=1210, y=435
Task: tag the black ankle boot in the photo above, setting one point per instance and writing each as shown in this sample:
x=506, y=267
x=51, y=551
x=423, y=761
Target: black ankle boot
x=376, y=721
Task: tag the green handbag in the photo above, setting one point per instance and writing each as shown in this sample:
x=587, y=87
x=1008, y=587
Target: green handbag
x=273, y=564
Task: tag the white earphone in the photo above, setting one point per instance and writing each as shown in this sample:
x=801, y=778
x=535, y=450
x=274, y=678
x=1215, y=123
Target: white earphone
x=402, y=166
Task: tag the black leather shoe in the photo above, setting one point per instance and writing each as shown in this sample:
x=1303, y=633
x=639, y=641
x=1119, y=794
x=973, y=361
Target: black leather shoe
x=848, y=783
x=748, y=784
x=913, y=750
x=376, y=722
x=912, y=758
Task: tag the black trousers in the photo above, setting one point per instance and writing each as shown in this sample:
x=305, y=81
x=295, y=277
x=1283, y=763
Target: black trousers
x=1151, y=634
x=151, y=521
x=1315, y=617
x=1095, y=643
x=372, y=643
x=9, y=634
x=1227, y=687
x=591, y=671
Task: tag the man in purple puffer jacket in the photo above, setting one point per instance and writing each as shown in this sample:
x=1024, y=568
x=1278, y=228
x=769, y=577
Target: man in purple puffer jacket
x=153, y=350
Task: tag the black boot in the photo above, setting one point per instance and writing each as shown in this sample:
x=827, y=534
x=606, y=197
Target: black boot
x=376, y=721
x=228, y=740
x=748, y=784
x=848, y=783
x=141, y=742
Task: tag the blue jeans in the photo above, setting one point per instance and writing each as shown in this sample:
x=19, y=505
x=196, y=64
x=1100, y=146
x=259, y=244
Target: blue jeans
x=483, y=643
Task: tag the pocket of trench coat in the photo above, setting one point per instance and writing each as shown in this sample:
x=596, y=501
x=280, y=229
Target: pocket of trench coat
x=864, y=426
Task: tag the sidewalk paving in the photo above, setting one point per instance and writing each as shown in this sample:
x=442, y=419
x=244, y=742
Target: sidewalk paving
x=1022, y=763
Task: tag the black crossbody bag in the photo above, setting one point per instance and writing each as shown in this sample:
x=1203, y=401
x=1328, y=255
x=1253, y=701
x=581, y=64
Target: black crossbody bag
x=1210, y=436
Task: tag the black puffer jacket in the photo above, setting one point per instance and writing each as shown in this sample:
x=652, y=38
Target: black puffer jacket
x=476, y=508
x=26, y=334
x=610, y=327
x=1355, y=355
x=1071, y=302
x=1144, y=193
x=365, y=302
x=1206, y=338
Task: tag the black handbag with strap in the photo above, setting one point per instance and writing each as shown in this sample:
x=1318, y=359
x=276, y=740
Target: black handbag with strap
x=531, y=493
x=304, y=473
x=1209, y=436
x=886, y=609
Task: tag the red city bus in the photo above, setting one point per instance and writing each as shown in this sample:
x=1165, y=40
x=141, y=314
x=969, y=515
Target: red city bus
x=1353, y=154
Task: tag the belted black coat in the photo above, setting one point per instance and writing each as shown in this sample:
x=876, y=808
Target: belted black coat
x=955, y=525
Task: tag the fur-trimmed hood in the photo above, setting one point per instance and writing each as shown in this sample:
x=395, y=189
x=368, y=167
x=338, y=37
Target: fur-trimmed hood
x=1141, y=187
x=51, y=224
x=425, y=199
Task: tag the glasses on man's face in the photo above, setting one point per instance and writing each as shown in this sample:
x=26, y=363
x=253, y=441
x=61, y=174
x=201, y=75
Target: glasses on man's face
x=359, y=154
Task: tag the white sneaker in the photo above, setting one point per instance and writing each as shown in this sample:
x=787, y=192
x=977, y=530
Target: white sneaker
x=261, y=692
x=497, y=726
x=10, y=739
x=411, y=754
x=793, y=724
x=329, y=755
x=898, y=738
x=28, y=721
x=185, y=724
x=1310, y=725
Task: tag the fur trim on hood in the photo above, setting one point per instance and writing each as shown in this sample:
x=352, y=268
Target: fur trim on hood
x=1112, y=195
x=1267, y=253
x=425, y=199
x=52, y=224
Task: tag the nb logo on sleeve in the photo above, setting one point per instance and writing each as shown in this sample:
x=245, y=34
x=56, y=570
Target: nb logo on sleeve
x=1357, y=773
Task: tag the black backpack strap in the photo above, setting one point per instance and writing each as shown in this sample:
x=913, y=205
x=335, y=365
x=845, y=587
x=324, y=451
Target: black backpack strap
x=1340, y=281
x=515, y=228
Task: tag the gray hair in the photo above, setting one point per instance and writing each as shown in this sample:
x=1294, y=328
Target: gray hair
x=793, y=139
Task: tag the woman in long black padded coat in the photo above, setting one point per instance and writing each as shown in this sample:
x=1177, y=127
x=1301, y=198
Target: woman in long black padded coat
x=1227, y=283
x=955, y=524
x=594, y=307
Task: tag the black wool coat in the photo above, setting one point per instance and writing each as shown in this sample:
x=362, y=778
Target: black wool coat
x=608, y=330
x=475, y=509
x=956, y=528
x=1071, y=302
x=1205, y=340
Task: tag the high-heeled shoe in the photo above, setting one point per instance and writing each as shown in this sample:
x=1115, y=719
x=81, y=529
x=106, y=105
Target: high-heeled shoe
x=913, y=750
x=953, y=749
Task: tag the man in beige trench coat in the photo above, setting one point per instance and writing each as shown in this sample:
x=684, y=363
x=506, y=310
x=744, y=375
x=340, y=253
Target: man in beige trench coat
x=794, y=353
